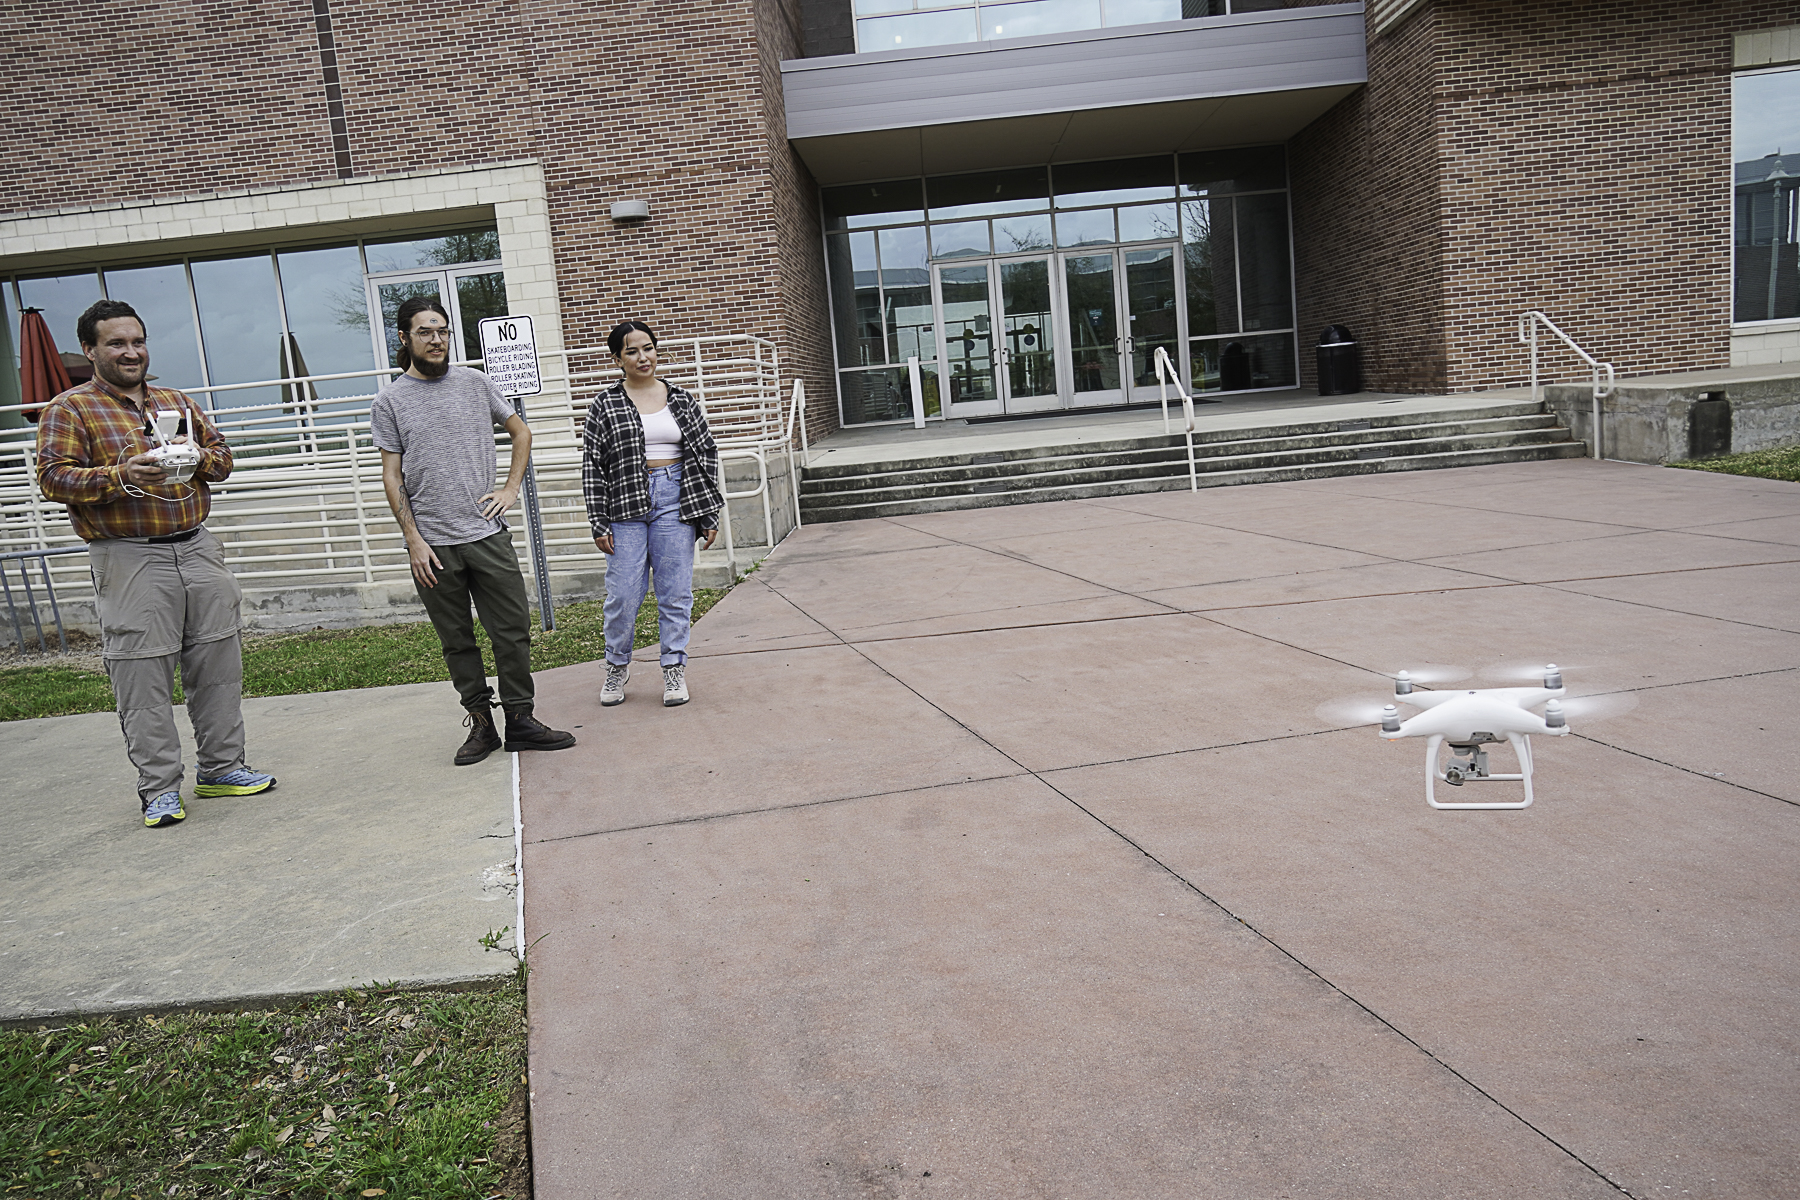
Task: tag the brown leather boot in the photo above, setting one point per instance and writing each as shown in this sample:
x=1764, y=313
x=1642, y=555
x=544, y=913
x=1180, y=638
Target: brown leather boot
x=483, y=738
x=526, y=732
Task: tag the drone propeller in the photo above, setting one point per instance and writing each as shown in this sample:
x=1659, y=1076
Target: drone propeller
x=1351, y=710
x=1585, y=709
x=1527, y=671
x=1430, y=673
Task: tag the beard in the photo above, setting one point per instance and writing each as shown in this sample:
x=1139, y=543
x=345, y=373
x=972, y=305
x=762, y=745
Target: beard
x=124, y=379
x=431, y=370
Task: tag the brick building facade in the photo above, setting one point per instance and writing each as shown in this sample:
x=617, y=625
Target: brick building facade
x=1573, y=158
x=1448, y=163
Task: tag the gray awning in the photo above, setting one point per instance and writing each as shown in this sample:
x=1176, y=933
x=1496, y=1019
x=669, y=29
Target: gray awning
x=1104, y=93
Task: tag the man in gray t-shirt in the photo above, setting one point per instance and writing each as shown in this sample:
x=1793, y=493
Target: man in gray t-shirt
x=434, y=426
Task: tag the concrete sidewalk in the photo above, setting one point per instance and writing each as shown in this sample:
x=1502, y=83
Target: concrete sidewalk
x=1003, y=853
x=374, y=859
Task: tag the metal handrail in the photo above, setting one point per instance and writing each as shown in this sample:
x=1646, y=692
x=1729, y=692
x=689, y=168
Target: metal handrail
x=796, y=418
x=1528, y=335
x=12, y=609
x=1166, y=374
x=305, y=500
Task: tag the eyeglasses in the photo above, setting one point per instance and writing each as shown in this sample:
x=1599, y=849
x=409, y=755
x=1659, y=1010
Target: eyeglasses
x=440, y=334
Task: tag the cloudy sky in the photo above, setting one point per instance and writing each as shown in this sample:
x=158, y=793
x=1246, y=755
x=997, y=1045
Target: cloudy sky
x=1765, y=114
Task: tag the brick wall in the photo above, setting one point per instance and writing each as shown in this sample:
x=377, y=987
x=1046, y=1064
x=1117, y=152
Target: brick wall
x=1573, y=158
x=679, y=106
x=805, y=331
x=1366, y=209
x=107, y=103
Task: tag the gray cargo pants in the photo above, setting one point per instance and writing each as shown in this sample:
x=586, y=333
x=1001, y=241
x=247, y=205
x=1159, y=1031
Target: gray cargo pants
x=160, y=604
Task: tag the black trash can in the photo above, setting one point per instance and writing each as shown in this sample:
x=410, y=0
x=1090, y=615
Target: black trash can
x=1340, y=363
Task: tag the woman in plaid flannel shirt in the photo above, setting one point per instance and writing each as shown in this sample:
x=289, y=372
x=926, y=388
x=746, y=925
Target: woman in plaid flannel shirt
x=650, y=477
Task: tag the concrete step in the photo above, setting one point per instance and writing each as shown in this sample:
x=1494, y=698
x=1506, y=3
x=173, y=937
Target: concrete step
x=1502, y=432
x=1025, y=494
x=1148, y=435
x=1152, y=455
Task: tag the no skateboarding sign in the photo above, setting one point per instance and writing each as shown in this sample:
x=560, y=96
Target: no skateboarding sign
x=509, y=355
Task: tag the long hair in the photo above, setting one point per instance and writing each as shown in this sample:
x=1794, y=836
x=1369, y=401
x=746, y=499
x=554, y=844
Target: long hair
x=403, y=323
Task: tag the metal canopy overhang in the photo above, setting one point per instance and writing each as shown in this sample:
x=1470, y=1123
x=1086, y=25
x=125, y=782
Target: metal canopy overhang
x=1108, y=93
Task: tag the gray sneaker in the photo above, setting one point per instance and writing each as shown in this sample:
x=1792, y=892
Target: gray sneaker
x=674, y=686
x=164, y=810
x=613, y=690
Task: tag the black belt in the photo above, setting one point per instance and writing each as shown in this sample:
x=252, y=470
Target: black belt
x=167, y=538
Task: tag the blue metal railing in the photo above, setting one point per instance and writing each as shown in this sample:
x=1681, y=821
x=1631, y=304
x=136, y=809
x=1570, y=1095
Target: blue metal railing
x=31, y=600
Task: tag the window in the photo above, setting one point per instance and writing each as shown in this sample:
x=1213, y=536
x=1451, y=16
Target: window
x=1765, y=141
x=274, y=314
x=908, y=24
x=1217, y=219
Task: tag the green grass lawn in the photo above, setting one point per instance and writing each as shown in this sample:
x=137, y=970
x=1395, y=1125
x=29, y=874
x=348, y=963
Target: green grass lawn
x=1783, y=462
x=333, y=659
x=360, y=1093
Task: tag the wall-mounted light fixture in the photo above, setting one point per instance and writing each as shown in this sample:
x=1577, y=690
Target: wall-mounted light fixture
x=631, y=210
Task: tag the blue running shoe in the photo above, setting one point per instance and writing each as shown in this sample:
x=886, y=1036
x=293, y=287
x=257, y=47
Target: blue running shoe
x=241, y=782
x=164, y=810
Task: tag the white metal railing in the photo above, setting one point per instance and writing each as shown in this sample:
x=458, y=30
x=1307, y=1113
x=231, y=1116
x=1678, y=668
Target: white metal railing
x=305, y=502
x=1166, y=374
x=1528, y=336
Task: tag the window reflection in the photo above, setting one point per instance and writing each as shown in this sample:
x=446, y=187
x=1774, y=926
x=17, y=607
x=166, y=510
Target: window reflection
x=478, y=297
x=1030, y=17
x=1147, y=223
x=160, y=295
x=855, y=298
x=1084, y=228
x=1263, y=274
x=906, y=295
x=959, y=241
x=1015, y=234
x=240, y=322
x=328, y=314
x=476, y=245
x=1116, y=182
x=989, y=193
x=63, y=298
x=1765, y=121
x=916, y=29
x=865, y=205
x=1211, y=266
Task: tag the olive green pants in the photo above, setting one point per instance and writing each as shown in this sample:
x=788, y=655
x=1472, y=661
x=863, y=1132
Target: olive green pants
x=484, y=574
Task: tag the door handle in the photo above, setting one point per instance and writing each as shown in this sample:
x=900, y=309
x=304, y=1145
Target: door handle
x=1130, y=345
x=1119, y=346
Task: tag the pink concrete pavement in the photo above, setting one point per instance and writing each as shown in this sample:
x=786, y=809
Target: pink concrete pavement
x=1004, y=854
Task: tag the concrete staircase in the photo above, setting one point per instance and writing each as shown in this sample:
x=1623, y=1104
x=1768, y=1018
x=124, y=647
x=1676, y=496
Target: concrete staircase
x=1277, y=452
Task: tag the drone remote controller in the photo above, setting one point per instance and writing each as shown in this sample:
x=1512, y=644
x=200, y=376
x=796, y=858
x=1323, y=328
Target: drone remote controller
x=177, y=461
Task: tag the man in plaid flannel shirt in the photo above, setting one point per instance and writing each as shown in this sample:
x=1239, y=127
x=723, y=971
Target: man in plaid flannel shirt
x=161, y=586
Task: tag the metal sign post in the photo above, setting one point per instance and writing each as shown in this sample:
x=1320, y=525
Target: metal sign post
x=509, y=356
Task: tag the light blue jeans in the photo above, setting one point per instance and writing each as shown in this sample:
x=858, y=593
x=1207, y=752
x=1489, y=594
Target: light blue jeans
x=662, y=545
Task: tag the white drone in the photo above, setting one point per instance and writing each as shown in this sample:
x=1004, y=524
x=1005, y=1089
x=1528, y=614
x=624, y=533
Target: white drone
x=1470, y=720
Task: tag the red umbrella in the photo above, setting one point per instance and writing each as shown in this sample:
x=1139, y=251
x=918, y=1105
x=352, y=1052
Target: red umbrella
x=41, y=370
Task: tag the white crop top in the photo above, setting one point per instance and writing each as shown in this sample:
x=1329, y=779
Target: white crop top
x=662, y=436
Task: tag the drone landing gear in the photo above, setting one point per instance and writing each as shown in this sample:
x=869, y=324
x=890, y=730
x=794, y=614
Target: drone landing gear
x=1468, y=764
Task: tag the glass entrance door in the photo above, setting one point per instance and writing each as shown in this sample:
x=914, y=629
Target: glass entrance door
x=1028, y=336
x=1091, y=303
x=1114, y=361
x=965, y=306
x=1153, y=318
